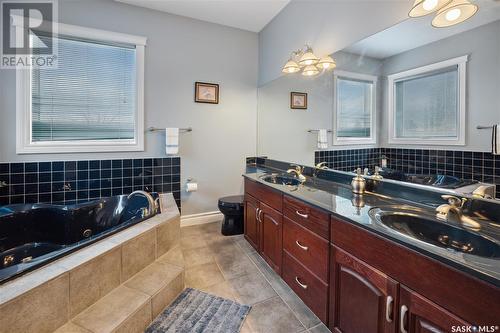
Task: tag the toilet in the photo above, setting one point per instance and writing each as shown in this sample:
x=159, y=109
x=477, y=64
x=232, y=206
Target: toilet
x=232, y=208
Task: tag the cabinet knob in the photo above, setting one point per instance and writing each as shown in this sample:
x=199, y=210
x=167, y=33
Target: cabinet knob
x=402, y=319
x=305, y=248
x=303, y=286
x=301, y=214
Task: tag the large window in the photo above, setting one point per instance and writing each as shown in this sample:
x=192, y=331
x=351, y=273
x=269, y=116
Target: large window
x=354, y=108
x=427, y=104
x=92, y=101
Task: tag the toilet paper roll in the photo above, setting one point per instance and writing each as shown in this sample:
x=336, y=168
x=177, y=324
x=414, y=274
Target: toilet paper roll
x=191, y=187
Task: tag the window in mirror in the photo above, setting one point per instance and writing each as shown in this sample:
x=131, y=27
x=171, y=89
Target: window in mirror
x=428, y=104
x=354, y=108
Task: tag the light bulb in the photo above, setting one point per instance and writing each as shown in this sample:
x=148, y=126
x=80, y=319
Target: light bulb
x=453, y=14
x=430, y=4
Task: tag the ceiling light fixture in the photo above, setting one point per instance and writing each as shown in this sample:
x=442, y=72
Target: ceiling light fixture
x=425, y=7
x=308, y=62
x=454, y=13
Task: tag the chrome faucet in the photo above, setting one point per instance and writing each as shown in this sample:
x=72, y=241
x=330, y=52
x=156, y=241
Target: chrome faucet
x=318, y=167
x=453, y=212
x=151, y=202
x=298, y=172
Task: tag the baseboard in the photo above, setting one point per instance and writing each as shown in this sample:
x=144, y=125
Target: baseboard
x=202, y=218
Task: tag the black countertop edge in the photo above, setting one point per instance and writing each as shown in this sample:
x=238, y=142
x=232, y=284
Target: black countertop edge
x=470, y=268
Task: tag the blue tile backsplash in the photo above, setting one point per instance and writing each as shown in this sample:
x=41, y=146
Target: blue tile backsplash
x=69, y=182
x=481, y=166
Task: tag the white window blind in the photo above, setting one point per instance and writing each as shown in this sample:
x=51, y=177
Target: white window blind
x=354, y=108
x=91, y=96
x=427, y=106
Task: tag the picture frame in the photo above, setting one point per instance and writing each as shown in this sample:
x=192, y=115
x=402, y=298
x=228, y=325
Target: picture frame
x=298, y=100
x=206, y=92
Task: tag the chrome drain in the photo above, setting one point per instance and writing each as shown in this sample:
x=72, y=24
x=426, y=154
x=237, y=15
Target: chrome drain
x=87, y=233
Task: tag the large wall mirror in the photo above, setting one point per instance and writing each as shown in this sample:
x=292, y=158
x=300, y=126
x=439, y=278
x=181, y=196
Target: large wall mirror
x=407, y=91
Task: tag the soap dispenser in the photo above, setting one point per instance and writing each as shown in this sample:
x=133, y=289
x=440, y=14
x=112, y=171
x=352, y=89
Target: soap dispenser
x=358, y=183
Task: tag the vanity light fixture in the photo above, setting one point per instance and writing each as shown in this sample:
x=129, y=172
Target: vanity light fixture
x=326, y=63
x=310, y=70
x=308, y=62
x=291, y=67
x=425, y=7
x=454, y=13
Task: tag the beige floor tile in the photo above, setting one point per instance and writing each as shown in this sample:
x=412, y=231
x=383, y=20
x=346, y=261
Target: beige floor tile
x=195, y=230
x=197, y=256
x=174, y=257
x=274, y=316
x=192, y=242
x=223, y=289
x=251, y=289
x=111, y=311
x=138, y=253
x=246, y=327
x=137, y=322
x=244, y=245
x=203, y=276
x=321, y=328
x=167, y=295
x=222, y=246
x=71, y=328
x=154, y=278
x=234, y=263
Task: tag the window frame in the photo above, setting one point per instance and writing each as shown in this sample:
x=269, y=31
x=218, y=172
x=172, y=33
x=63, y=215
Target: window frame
x=340, y=141
x=460, y=140
x=24, y=143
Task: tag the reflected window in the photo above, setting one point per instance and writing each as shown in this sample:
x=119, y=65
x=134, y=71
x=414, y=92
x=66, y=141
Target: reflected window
x=428, y=104
x=355, y=107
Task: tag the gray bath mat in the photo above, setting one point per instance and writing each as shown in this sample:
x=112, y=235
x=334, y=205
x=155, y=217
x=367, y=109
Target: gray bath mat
x=196, y=311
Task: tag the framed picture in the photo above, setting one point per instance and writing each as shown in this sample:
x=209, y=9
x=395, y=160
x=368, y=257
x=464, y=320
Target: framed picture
x=206, y=93
x=298, y=100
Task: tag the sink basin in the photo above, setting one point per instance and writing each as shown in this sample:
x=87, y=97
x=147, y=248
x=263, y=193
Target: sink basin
x=281, y=180
x=428, y=230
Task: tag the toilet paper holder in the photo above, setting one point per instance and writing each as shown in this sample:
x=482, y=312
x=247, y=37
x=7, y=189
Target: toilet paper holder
x=191, y=185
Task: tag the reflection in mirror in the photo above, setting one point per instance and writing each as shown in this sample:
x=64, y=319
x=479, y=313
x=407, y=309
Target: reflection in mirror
x=408, y=99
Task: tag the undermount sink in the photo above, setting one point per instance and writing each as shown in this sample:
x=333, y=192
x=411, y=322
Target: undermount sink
x=281, y=180
x=424, y=228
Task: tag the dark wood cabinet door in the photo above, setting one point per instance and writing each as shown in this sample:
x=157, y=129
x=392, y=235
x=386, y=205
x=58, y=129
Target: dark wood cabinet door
x=362, y=299
x=419, y=315
x=271, y=239
x=251, y=221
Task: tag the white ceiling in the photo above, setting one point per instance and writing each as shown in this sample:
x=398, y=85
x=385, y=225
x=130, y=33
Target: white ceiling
x=416, y=32
x=251, y=15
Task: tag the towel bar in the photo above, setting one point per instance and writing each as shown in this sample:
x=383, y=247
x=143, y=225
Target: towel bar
x=154, y=129
x=484, y=127
x=317, y=130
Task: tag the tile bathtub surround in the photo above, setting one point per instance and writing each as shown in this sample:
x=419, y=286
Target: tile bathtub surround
x=480, y=166
x=69, y=182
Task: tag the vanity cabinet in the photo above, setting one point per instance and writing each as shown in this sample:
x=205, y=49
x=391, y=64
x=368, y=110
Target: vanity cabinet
x=252, y=226
x=271, y=226
x=264, y=222
x=364, y=299
x=419, y=315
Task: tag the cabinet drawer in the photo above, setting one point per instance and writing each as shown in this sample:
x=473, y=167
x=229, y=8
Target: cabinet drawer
x=266, y=195
x=307, y=216
x=310, y=249
x=309, y=288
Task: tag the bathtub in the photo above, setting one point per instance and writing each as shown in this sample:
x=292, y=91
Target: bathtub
x=32, y=235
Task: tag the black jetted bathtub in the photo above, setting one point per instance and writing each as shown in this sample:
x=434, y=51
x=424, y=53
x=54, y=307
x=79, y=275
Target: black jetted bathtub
x=32, y=235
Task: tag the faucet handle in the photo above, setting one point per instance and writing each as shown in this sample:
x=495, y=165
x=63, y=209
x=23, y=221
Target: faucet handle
x=298, y=168
x=321, y=165
x=453, y=200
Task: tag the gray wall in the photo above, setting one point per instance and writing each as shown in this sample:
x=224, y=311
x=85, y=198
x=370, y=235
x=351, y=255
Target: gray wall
x=482, y=44
x=328, y=26
x=180, y=51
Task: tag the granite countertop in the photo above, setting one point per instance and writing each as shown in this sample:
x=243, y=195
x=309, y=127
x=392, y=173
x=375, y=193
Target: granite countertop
x=339, y=200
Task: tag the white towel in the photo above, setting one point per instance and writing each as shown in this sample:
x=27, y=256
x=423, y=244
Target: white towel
x=322, y=139
x=172, y=140
x=495, y=140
